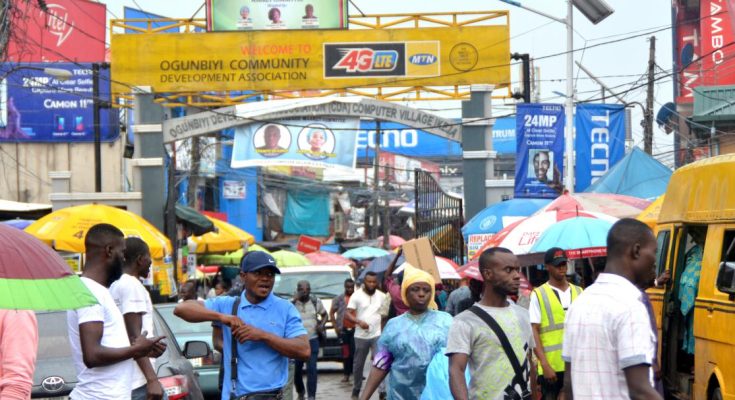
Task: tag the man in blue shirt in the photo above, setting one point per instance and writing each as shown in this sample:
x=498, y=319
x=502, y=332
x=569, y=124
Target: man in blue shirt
x=268, y=331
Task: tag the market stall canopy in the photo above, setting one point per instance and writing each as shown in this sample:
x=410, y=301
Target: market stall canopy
x=285, y=258
x=226, y=237
x=616, y=205
x=649, y=216
x=326, y=258
x=232, y=258
x=13, y=209
x=193, y=220
x=365, y=252
x=35, y=277
x=499, y=215
x=65, y=229
x=637, y=174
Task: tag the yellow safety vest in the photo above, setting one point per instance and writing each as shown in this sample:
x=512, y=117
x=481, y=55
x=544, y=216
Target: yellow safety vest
x=552, y=324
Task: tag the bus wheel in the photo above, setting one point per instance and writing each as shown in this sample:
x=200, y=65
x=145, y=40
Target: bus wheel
x=716, y=394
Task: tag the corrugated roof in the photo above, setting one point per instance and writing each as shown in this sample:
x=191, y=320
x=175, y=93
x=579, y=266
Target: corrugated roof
x=714, y=103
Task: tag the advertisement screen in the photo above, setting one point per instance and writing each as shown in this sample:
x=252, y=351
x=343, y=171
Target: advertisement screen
x=311, y=59
x=37, y=107
x=68, y=30
x=247, y=15
x=599, y=143
x=296, y=142
x=540, y=150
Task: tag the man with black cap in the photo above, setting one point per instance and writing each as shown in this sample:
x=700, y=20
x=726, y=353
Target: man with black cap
x=549, y=304
x=265, y=329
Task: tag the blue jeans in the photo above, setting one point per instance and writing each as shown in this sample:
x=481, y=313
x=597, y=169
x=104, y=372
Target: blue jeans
x=140, y=393
x=310, y=371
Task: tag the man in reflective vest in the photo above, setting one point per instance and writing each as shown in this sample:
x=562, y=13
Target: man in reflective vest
x=549, y=304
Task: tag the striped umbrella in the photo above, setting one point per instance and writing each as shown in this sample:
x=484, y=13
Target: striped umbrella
x=34, y=277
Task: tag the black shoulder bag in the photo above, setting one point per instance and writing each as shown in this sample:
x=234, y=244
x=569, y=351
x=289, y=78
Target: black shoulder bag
x=233, y=353
x=518, y=388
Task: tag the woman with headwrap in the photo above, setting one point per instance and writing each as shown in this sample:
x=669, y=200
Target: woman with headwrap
x=409, y=341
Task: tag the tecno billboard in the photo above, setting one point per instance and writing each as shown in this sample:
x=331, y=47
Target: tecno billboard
x=67, y=30
x=312, y=59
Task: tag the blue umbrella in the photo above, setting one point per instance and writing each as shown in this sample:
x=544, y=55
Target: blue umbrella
x=580, y=236
x=19, y=223
x=380, y=264
x=490, y=220
x=361, y=253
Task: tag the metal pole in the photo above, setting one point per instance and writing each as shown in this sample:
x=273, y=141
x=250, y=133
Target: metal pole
x=376, y=180
x=569, y=131
x=386, y=214
x=97, y=130
x=648, y=131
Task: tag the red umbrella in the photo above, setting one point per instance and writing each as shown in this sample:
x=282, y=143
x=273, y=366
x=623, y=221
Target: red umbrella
x=393, y=241
x=34, y=277
x=326, y=258
x=616, y=205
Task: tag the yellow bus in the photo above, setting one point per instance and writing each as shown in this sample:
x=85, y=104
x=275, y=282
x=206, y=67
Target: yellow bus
x=696, y=231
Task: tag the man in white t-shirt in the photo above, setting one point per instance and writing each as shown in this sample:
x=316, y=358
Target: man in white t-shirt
x=547, y=311
x=137, y=308
x=364, y=311
x=101, y=350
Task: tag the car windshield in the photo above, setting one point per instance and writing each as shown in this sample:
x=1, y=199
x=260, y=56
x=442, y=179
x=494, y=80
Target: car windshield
x=178, y=325
x=324, y=284
x=53, y=336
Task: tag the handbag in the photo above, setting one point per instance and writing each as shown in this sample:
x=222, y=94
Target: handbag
x=518, y=388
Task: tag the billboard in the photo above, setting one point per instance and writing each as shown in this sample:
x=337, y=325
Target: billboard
x=406, y=141
x=687, y=51
x=599, y=142
x=68, y=30
x=504, y=135
x=245, y=15
x=540, y=150
x=312, y=59
x=400, y=169
x=718, y=67
x=133, y=13
x=35, y=107
x=296, y=142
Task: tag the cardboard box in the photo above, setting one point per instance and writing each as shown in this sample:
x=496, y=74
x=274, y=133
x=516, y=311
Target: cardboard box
x=420, y=253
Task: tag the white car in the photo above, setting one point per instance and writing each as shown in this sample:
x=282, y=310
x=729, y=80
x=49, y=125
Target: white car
x=327, y=282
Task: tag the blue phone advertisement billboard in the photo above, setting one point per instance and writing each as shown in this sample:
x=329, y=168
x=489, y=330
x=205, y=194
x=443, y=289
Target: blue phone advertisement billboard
x=540, y=150
x=38, y=107
x=599, y=143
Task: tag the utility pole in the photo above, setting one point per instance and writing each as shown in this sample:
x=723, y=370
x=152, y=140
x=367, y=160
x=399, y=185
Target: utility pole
x=648, y=129
x=376, y=181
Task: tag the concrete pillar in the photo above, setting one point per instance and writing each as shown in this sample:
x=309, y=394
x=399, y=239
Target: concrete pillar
x=148, y=157
x=477, y=148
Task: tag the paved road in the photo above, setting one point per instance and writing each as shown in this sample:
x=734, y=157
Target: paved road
x=329, y=386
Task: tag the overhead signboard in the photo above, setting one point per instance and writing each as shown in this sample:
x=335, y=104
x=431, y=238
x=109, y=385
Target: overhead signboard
x=540, y=150
x=717, y=37
x=245, y=15
x=404, y=140
x=504, y=135
x=317, y=59
x=296, y=142
x=599, y=141
x=687, y=50
x=36, y=107
x=67, y=30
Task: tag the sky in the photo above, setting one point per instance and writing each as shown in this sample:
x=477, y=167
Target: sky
x=615, y=50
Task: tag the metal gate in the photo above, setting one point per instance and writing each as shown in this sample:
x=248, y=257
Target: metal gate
x=439, y=217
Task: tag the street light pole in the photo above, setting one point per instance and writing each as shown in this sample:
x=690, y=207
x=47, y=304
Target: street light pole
x=569, y=108
x=97, y=105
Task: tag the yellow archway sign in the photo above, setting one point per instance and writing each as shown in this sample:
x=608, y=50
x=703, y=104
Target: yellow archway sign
x=303, y=60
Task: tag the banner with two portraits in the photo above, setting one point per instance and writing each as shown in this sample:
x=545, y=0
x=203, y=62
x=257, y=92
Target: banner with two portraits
x=321, y=143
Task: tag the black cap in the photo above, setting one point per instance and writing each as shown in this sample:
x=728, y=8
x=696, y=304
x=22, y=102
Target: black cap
x=256, y=260
x=555, y=256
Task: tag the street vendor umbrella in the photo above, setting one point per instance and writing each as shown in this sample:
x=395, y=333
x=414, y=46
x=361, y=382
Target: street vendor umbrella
x=393, y=241
x=19, y=223
x=364, y=252
x=65, y=229
x=193, y=220
x=285, y=258
x=649, y=216
x=225, y=237
x=581, y=237
x=447, y=268
x=616, y=205
x=232, y=258
x=380, y=264
x=34, y=277
x=520, y=236
x=326, y=258
x=494, y=218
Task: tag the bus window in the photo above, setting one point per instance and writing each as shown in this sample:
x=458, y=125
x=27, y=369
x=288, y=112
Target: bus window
x=662, y=251
x=726, y=274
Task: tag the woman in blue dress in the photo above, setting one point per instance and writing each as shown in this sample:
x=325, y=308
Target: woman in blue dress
x=409, y=342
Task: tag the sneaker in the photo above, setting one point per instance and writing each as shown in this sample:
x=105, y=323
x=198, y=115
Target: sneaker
x=345, y=378
x=301, y=396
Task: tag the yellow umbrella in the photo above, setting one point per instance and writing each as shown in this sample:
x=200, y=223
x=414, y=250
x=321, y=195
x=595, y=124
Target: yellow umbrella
x=649, y=216
x=226, y=237
x=64, y=229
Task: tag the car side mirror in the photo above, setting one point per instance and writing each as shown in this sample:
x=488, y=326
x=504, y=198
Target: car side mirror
x=726, y=278
x=196, y=349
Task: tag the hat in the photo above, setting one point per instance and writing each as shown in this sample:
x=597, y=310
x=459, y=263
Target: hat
x=555, y=256
x=255, y=260
x=413, y=275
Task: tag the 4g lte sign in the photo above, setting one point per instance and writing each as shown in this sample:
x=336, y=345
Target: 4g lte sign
x=402, y=59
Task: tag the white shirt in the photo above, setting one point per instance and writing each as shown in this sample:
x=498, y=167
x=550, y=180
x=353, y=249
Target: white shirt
x=367, y=308
x=131, y=298
x=534, y=309
x=607, y=329
x=112, y=381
